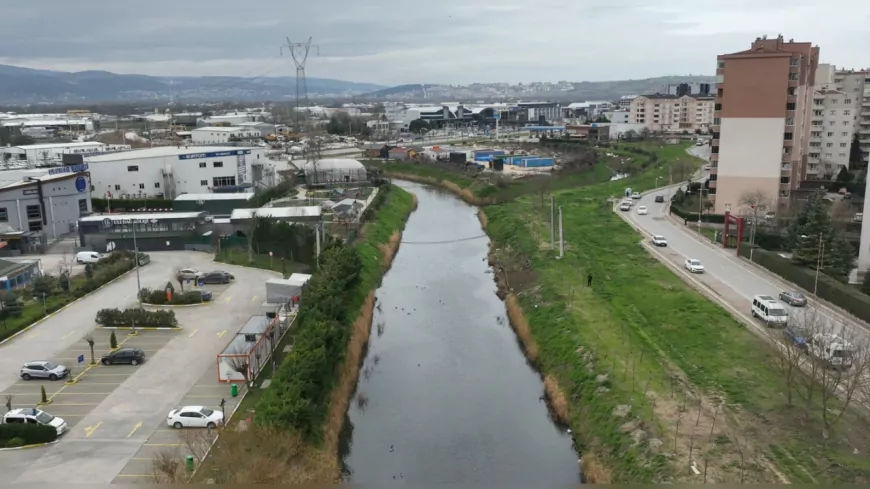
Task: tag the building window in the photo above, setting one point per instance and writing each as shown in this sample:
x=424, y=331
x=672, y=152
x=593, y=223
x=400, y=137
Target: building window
x=34, y=218
x=218, y=164
x=833, y=112
x=720, y=65
x=141, y=186
x=83, y=206
x=829, y=145
x=223, y=182
x=795, y=61
x=788, y=136
x=784, y=179
x=830, y=134
x=4, y=215
x=843, y=145
x=848, y=101
x=203, y=183
x=132, y=168
x=156, y=184
x=792, y=91
x=117, y=187
x=790, y=106
x=789, y=121
x=202, y=164
x=793, y=76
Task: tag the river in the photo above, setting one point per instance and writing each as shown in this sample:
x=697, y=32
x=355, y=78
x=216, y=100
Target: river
x=445, y=394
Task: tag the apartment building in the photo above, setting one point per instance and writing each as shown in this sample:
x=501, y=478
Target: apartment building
x=834, y=121
x=761, y=123
x=670, y=113
x=856, y=83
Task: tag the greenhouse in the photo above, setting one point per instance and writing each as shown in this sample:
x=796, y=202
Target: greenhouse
x=334, y=171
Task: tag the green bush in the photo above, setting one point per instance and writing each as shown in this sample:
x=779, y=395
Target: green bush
x=139, y=317
x=829, y=289
x=693, y=216
x=26, y=434
x=158, y=297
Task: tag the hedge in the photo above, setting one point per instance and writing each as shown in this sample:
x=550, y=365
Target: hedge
x=139, y=317
x=829, y=289
x=693, y=216
x=15, y=435
x=158, y=297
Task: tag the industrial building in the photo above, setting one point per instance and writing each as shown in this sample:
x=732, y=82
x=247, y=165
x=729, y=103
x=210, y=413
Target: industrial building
x=165, y=231
x=334, y=171
x=219, y=204
x=169, y=171
x=48, y=206
x=223, y=135
x=300, y=214
x=53, y=153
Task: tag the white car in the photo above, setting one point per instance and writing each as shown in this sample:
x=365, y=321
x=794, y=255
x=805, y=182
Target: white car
x=189, y=273
x=194, y=417
x=624, y=207
x=33, y=415
x=659, y=240
x=641, y=210
x=635, y=195
x=694, y=266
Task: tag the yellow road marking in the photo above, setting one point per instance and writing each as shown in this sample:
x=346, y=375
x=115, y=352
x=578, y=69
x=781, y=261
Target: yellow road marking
x=111, y=375
x=253, y=298
x=77, y=377
x=194, y=333
x=89, y=430
x=221, y=334
x=135, y=427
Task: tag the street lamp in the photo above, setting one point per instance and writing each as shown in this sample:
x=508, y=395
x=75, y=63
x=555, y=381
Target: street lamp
x=819, y=262
x=700, y=206
x=136, y=260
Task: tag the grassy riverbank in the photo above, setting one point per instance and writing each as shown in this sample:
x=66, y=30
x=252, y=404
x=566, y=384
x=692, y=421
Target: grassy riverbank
x=301, y=414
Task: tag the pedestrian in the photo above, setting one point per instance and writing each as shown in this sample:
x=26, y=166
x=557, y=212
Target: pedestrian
x=589, y=280
x=685, y=222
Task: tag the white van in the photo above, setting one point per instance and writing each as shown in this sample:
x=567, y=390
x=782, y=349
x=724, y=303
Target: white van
x=35, y=416
x=88, y=257
x=769, y=310
x=831, y=349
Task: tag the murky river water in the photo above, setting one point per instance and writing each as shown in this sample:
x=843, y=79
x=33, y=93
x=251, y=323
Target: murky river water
x=449, y=397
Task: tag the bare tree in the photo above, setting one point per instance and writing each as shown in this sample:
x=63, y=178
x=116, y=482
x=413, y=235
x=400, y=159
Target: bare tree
x=249, y=234
x=64, y=266
x=843, y=376
x=788, y=357
x=167, y=467
x=752, y=202
x=8, y=402
x=240, y=362
x=682, y=169
x=89, y=338
x=198, y=442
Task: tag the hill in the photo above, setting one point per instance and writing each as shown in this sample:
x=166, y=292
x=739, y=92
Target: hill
x=27, y=85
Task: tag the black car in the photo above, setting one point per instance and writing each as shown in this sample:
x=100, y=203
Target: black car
x=218, y=277
x=660, y=198
x=130, y=356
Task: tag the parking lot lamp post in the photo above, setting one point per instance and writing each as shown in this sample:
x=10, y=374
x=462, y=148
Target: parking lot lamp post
x=136, y=261
x=700, y=206
x=819, y=262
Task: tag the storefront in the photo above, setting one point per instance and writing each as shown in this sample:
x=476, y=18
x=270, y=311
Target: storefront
x=163, y=231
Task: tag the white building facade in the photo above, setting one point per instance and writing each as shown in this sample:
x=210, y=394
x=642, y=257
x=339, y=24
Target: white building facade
x=223, y=135
x=168, y=171
x=669, y=113
x=51, y=152
x=50, y=204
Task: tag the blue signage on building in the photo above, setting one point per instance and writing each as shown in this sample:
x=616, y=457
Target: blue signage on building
x=216, y=154
x=81, y=184
x=68, y=169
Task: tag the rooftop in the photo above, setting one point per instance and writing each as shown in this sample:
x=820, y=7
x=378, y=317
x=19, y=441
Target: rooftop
x=217, y=196
x=88, y=144
x=143, y=216
x=161, y=151
x=41, y=178
x=277, y=212
x=219, y=128
x=257, y=325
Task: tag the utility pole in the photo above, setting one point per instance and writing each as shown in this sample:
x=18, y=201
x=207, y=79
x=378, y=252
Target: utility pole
x=561, y=235
x=299, y=52
x=552, y=222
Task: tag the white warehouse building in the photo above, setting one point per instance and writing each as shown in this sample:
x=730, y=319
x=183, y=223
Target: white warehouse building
x=51, y=152
x=169, y=171
x=223, y=135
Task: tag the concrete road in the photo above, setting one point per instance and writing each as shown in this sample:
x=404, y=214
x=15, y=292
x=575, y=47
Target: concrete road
x=733, y=279
x=116, y=410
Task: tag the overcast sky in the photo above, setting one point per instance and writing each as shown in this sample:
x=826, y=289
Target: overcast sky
x=412, y=41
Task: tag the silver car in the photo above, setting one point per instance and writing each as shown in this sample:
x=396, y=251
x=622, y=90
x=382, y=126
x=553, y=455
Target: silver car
x=43, y=370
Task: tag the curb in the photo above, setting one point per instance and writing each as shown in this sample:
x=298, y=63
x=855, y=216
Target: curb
x=64, y=307
x=139, y=328
x=26, y=447
x=171, y=306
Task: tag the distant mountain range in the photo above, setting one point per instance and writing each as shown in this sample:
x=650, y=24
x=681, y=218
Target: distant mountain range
x=27, y=85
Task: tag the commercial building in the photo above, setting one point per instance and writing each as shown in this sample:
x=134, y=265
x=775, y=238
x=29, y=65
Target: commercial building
x=335, y=171
x=761, y=134
x=48, y=205
x=15, y=274
x=856, y=84
x=164, y=231
x=669, y=113
x=169, y=171
x=300, y=214
x=219, y=204
x=680, y=89
x=38, y=153
x=589, y=132
x=223, y=135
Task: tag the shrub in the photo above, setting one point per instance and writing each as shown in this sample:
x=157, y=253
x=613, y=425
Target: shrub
x=693, y=216
x=139, y=317
x=158, y=297
x=16, y=435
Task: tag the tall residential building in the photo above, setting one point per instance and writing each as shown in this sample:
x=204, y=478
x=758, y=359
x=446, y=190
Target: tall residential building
x=761, y=123
x=669, y=113
x=856, y=83
x=835, y=118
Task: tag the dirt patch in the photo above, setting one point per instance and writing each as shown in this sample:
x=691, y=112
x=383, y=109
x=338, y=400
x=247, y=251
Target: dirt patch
x=522, y=330
x=594, y=472
x=481, y=216
x=556, y=400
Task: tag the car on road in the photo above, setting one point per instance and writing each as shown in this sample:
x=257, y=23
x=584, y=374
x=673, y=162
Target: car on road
x=798, y=335
x=635, y=195
x=624, y=207
x=43, y=370
x=129, y=356
x=83, y=257
x=35, y=416
x=659, y=240
x=194, y=417
x=188, y=273
x=694, y=266
x=793, y=298
x=660, y=198
x=769, y=310
x=641, y=210
x=216, y=277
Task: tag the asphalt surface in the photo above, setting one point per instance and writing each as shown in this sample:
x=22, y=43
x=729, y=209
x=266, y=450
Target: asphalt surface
x=733, y=279
x=117, y=413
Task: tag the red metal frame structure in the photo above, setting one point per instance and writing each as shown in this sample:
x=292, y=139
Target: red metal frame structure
x=730, y=219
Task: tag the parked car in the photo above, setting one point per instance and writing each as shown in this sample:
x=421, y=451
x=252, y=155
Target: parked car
x=659, y=240
x=694, y=266
x=188, y=273
x=194, y=417
x=635, y=195
x=793, y=298
x=35, y=416
x=798, y=335
x=205, y=294
x=624, y=207
x=641, y=210
x=217, y=277
x=131, y=356
x=660, y=198
x=84, y=257
x=144, y=259
x=43, y=370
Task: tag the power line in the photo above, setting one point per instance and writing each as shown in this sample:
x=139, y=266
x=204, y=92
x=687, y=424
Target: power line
x=299, y=52
x=445, y=241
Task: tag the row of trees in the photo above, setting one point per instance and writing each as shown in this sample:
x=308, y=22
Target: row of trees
x=343, y=124
x=816, y=243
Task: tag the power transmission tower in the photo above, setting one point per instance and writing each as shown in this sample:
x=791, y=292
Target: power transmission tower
x=299, y=52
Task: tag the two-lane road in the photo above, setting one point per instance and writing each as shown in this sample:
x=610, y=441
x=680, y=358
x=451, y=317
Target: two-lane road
x=723, y=269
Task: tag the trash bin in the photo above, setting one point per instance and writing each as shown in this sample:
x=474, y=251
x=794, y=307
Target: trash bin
x=189, y=461
x=234, y=390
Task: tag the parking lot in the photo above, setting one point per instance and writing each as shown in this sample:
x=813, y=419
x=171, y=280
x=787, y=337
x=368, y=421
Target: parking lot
x=117, y=413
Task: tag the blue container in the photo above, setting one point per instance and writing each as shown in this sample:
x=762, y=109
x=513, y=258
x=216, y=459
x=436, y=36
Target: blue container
x=538, y=162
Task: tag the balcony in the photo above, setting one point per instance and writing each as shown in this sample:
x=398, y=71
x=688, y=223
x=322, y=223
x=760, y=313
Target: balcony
x=786, y=168
x=711, y=184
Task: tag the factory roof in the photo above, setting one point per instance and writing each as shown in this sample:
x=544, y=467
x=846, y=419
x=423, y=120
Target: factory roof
x=143, y=216
x=217, y=196
x=88, y=144
x=44, y=122
x=161, y=151
x=219, y=128
x=41, y=178
x=277, y=212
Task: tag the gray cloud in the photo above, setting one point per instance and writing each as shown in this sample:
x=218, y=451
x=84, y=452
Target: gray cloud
x=399, y=41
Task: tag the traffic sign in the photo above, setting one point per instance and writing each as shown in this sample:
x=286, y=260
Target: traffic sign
x=81, y=359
